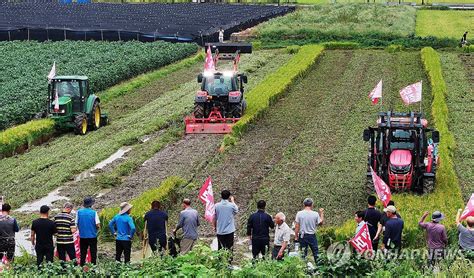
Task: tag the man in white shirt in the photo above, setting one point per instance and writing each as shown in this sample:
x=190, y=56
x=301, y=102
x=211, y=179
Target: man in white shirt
x=359, y=219
x=305, y=230
x=282, y=237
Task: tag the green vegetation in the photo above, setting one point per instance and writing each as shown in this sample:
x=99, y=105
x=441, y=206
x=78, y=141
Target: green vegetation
x=46, y=167
x=444, y=24
x=24, y=69
x=274, y=85
x=369, y=25
x=19, y=138
x=457, y=68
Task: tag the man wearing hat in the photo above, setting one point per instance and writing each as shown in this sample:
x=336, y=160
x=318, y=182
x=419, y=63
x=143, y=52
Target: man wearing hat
x=88, y=224
x=123, y=228
x=392, y=237
x=436, y=237
x=66, y=227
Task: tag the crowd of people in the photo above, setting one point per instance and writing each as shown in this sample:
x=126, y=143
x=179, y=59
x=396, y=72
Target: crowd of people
x=386, y=226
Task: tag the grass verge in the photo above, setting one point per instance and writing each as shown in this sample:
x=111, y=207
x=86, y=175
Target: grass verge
x=444, y=24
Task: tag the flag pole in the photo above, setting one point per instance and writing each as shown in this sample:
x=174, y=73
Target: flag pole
x=421, y=82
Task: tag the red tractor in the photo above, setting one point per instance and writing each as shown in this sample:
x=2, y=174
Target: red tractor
x=401, y=153
x=219, y=103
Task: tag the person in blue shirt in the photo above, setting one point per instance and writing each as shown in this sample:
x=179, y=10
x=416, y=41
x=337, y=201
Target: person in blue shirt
x=88, y=225
x=123, y=228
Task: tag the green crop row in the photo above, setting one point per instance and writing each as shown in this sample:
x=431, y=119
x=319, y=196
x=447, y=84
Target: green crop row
x=141, y=204
x=19, y=138
x=24, y=69
x=447, y=195
x=275, y=85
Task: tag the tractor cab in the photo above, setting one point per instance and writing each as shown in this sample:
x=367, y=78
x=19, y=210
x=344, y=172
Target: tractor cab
x=401, y=152
x=219, y=103
x=72, y=105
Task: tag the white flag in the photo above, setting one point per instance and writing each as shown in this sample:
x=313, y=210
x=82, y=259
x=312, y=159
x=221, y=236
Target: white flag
x=411, y=93
x=52, y=73
x=376, y=93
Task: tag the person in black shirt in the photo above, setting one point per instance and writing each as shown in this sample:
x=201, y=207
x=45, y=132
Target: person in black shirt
x=156, y=221
x=42, y=231
x=372, y=217
x=258, y=230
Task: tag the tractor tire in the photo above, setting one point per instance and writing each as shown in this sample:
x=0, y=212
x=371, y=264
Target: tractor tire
x=369, y=185
x=80, y=124
x=236, y=110
x=428, y=186
x=198, y=111
x=95, y=116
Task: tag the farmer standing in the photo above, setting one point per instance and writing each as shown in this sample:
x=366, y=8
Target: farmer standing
x=189, y=222
x=224, y=222
x=8, y=228
x=383, y=220
x=466, y=234
x=392, y=237
x=372, y=217
x=436, y=237
x=42, y=231
x=258, y=230
x=66, y=227
x=123, y=228
x=282, y=237
x=156, y=221
x=221, y=35
x=359, y=219
x=88, y=224
x=307, y=221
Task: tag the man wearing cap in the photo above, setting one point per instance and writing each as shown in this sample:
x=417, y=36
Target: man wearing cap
x=88, y=224
x=123, y=228
x=436, y=237
x=466, y=234
x=392, y=237
x=383, y=220
x=305, y=230
x=8, y=228
x=42, y=231
x=189, y=222
x=66, y=227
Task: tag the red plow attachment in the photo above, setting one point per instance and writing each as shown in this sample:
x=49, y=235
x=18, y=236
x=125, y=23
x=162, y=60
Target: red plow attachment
x=214, y=124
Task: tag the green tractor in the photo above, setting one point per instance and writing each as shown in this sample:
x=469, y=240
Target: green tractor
x=72, y=105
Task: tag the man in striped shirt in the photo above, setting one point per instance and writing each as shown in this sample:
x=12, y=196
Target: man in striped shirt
x=66, y=227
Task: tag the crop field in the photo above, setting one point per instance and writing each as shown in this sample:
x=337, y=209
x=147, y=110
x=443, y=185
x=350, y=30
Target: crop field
x=143, y=22
x=458, y=70
x=339, y=21
x=23, y=83
x=45, y=167
x=450, y=24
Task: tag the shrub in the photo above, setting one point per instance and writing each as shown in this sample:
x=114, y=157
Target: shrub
x=341, y=45
x=19, y=138
x=394, y=48
x=292, y=49
x=468, y=49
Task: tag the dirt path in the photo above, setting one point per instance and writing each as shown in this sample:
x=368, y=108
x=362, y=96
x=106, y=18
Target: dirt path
x=468, y=61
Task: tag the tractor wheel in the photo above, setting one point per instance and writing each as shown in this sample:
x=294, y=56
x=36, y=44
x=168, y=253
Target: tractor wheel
x=428, y=186
x=80, y=124
x=369, y=185
x=198, y=111
x=236, y=110
x=95, y=116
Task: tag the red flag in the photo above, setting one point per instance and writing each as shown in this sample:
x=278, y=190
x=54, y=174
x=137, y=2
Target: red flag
x=209, y=62
x=77, y=248
x=376, y=93
x=361, y=241
x=469, y=210
x=382, y=189
x=207, y=198
x=411, y=93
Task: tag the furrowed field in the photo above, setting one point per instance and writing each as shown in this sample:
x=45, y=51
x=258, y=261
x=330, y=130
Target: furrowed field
x=23, y=82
